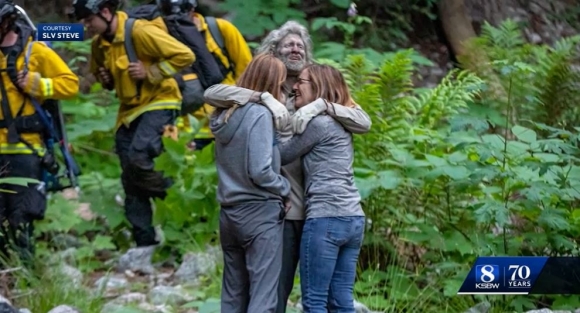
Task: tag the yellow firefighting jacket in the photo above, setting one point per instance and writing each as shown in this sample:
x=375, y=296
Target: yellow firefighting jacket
x=161, y=54
x=239, y=53
x=49, y=77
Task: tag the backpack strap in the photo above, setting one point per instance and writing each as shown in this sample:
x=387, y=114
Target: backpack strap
x=13, y=135
x=27, y=56
x=215, y=31
x=130, y=48
x=72, y=169
x=219, y=39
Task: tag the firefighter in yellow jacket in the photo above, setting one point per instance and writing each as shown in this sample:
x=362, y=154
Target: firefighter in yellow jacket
x=149, y=98
x=236, y=58
x=22, y=149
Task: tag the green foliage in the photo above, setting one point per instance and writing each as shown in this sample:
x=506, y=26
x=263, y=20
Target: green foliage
x=189, y=214
x=542, y=79
x=259, y=16
x=46, y=287
x=440, y=189
x=336, y=36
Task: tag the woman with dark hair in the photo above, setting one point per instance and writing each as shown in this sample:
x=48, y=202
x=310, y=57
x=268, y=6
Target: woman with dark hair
x=334, y=227
x=251, y=192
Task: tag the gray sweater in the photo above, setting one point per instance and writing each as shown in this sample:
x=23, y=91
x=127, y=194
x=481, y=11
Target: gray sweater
x=327, y=155
x=247, y=158
x=355, y=120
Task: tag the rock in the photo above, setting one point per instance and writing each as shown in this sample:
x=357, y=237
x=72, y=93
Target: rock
x=64, y=309
x=4, y=300
x=437, y=71
x=169, y=295
x=195, y=265
x=361, y=308
x=111, y=283
x=124, y=300
x=548, y=311
x=66, y=256
x=74, y=274
x=131, y=298
x=161, y=279
x=358, y=307
x=155, y=308
x=6, y=307
x=24, y=311
x=65, y=241
x=111, y=307
x=535, y=38
x=137, y=260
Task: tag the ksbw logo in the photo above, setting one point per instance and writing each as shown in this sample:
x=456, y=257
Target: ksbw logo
x=487, y=277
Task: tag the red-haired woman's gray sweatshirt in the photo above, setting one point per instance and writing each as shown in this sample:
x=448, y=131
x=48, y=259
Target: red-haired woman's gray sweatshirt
x=246, y=156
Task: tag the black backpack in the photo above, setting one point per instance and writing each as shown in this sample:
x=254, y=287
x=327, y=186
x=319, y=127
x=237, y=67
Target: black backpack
x=208, y=67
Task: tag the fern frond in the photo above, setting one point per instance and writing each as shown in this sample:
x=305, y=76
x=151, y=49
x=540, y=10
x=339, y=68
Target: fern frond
x=395, y=76
x=448, y=98
x=507, y=35
x=384, y=94
x=557, y=83
x=358, y=71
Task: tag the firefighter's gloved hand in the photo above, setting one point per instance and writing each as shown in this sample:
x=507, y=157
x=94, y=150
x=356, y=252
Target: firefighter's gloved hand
x=279, y=111
x=30, y=82
x=302, y=117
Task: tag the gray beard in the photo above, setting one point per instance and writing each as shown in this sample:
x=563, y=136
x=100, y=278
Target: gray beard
x=291, y=65
x=294, y=66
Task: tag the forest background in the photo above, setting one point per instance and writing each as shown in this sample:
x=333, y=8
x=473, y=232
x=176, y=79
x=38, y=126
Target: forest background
x=473, y=151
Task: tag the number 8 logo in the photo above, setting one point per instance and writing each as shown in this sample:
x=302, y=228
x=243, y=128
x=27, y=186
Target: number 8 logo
x=487, y=272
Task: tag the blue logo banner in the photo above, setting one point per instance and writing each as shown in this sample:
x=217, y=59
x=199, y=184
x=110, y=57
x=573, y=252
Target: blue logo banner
x=60, y=32
x=503, y=275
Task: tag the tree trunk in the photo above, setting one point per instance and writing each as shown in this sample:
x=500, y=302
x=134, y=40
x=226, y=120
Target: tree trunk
x=456, y=24
x=459, y=31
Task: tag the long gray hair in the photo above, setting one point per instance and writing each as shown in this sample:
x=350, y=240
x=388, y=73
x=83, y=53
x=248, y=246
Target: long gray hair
x=270, y=43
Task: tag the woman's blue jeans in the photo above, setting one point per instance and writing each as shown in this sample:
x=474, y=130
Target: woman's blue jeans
x=329, y=253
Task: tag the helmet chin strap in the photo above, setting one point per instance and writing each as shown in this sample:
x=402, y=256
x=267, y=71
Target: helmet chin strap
x=107, y=34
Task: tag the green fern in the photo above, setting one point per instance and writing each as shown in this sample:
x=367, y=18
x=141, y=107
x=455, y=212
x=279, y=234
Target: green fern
x=506, y=36
x=398, y=111
x=448, y=99
x=557, y=84
x=546, y=91
x=384, y=94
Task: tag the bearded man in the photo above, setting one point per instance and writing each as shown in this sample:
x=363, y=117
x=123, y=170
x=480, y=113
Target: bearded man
x=291, y=44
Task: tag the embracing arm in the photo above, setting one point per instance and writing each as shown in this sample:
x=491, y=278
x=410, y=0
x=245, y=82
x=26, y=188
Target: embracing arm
x=260, y=148
x=355, y=120
x=299, y=145
x=225, y=96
